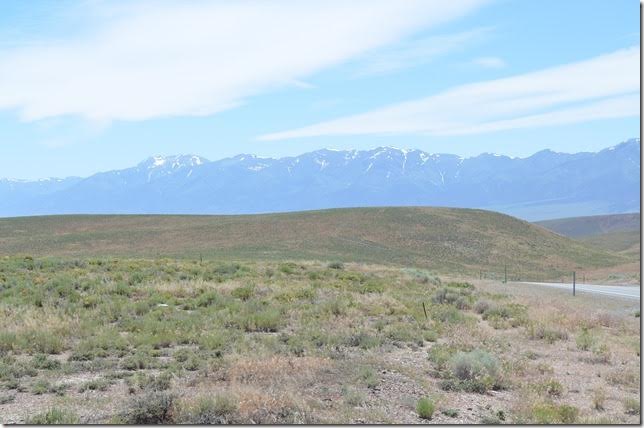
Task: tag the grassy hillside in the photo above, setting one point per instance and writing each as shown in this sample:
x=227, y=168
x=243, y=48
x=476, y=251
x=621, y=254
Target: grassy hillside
x=443, y=239
x=584, y=227
x=617, y=233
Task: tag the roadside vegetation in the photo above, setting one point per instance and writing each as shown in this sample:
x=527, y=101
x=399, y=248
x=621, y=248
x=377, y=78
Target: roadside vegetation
x=116, y=340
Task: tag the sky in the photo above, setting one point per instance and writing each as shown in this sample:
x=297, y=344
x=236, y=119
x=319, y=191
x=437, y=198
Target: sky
x=91, y=85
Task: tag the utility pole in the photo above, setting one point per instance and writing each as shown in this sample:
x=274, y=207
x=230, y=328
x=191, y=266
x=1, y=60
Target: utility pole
x=573, y=283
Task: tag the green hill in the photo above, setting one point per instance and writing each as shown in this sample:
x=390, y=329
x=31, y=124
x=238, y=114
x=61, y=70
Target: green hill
x=584, y=227
x=442, y=239
x=617, y=232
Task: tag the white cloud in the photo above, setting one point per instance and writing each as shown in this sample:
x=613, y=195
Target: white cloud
x=490, y=62
x=156, y=59
x=606, y=86
x=415, y=52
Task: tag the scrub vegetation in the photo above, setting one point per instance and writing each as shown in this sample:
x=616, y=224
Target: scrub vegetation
x=120, y=340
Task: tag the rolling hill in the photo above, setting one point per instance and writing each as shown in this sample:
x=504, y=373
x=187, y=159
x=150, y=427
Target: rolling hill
x=462, y=241
x=617, y=232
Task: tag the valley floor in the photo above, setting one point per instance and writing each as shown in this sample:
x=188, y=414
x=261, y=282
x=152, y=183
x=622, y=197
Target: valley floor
x=166, y=341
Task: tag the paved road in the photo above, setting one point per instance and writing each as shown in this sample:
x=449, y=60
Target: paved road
x=623, y=291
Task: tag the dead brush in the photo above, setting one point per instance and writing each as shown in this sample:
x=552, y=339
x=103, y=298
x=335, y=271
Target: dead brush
x=275, y=370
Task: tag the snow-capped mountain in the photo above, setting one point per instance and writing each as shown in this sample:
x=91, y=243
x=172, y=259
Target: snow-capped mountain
x=544, y=185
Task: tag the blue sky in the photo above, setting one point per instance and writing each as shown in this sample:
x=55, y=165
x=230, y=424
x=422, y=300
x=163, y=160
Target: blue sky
x=87, y=86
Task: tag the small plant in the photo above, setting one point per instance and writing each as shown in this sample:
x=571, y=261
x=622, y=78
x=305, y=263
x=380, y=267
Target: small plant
x=552, y=388
x=40, y=387
x=599, y=397
x=151, y=408
x=222, y=409
x=244, y=293
x=54, y=416
x=369, y=377
x=452, y=413
x=632, y=406
x=42, y=361
x=425, y=408
x=475, y=371
x=353, y=397
x=95, y=385
x=585, y=340
x=548, y=413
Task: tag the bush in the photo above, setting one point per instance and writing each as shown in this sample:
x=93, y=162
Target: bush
x=554, y=414
x=244, y=293
x=42, y=361
x=54, y=416
x=599, y=397
x=541, y=332
x=552, y=388
x=585, y=340
x=440, y=354
x=95, y=385
x=221, y=409
x=452, y=413
x=632, y=406
x=151, y=408
x=475, y=371
x=336, y=265
x=369, y=377
x=425, y=408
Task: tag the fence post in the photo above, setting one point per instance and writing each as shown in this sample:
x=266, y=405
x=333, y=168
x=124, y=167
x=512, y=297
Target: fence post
x=505, y=275
x=424, y=310
x=573, y=282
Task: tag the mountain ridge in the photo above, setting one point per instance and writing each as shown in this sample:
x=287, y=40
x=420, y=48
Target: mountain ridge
x=584, y=183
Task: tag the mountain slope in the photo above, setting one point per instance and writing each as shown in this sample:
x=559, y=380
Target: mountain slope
x=544, y=185
x=444, y=239
x=617, y=232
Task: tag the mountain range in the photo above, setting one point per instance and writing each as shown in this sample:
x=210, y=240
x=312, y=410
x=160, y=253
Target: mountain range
x=545, y=185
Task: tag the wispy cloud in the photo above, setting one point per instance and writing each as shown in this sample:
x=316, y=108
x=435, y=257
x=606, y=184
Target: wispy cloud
x=490, y=62
x=155, y=59
x=603, y=87
x=416, y=52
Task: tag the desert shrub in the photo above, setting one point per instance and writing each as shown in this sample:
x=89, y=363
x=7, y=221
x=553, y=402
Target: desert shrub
x=41, y=386
x=362, y=340
x=452, y=413
x=632, y=406
x=150, y=408
x=244, y=293
x=548, y=413
x=352, y=396
x=42, y=361
x=41, y=342
x=425, y=408
x=440, y=354
x=266, y=320
x=446, y=314
x=538, y=331
x=54, y=416
x=137, y=361
x=585, y=340
x=372, y=287
x=481, y=306
x=474, y=371
x=336, y=265
x=221, y=409
x=100, y=384
x=553, y=388
x=369, y=377
x=287, y=268
x=598, y=399
x=142, y=381
x=207, y=298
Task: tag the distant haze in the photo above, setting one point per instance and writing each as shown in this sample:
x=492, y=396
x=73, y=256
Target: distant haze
x=544, y=185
